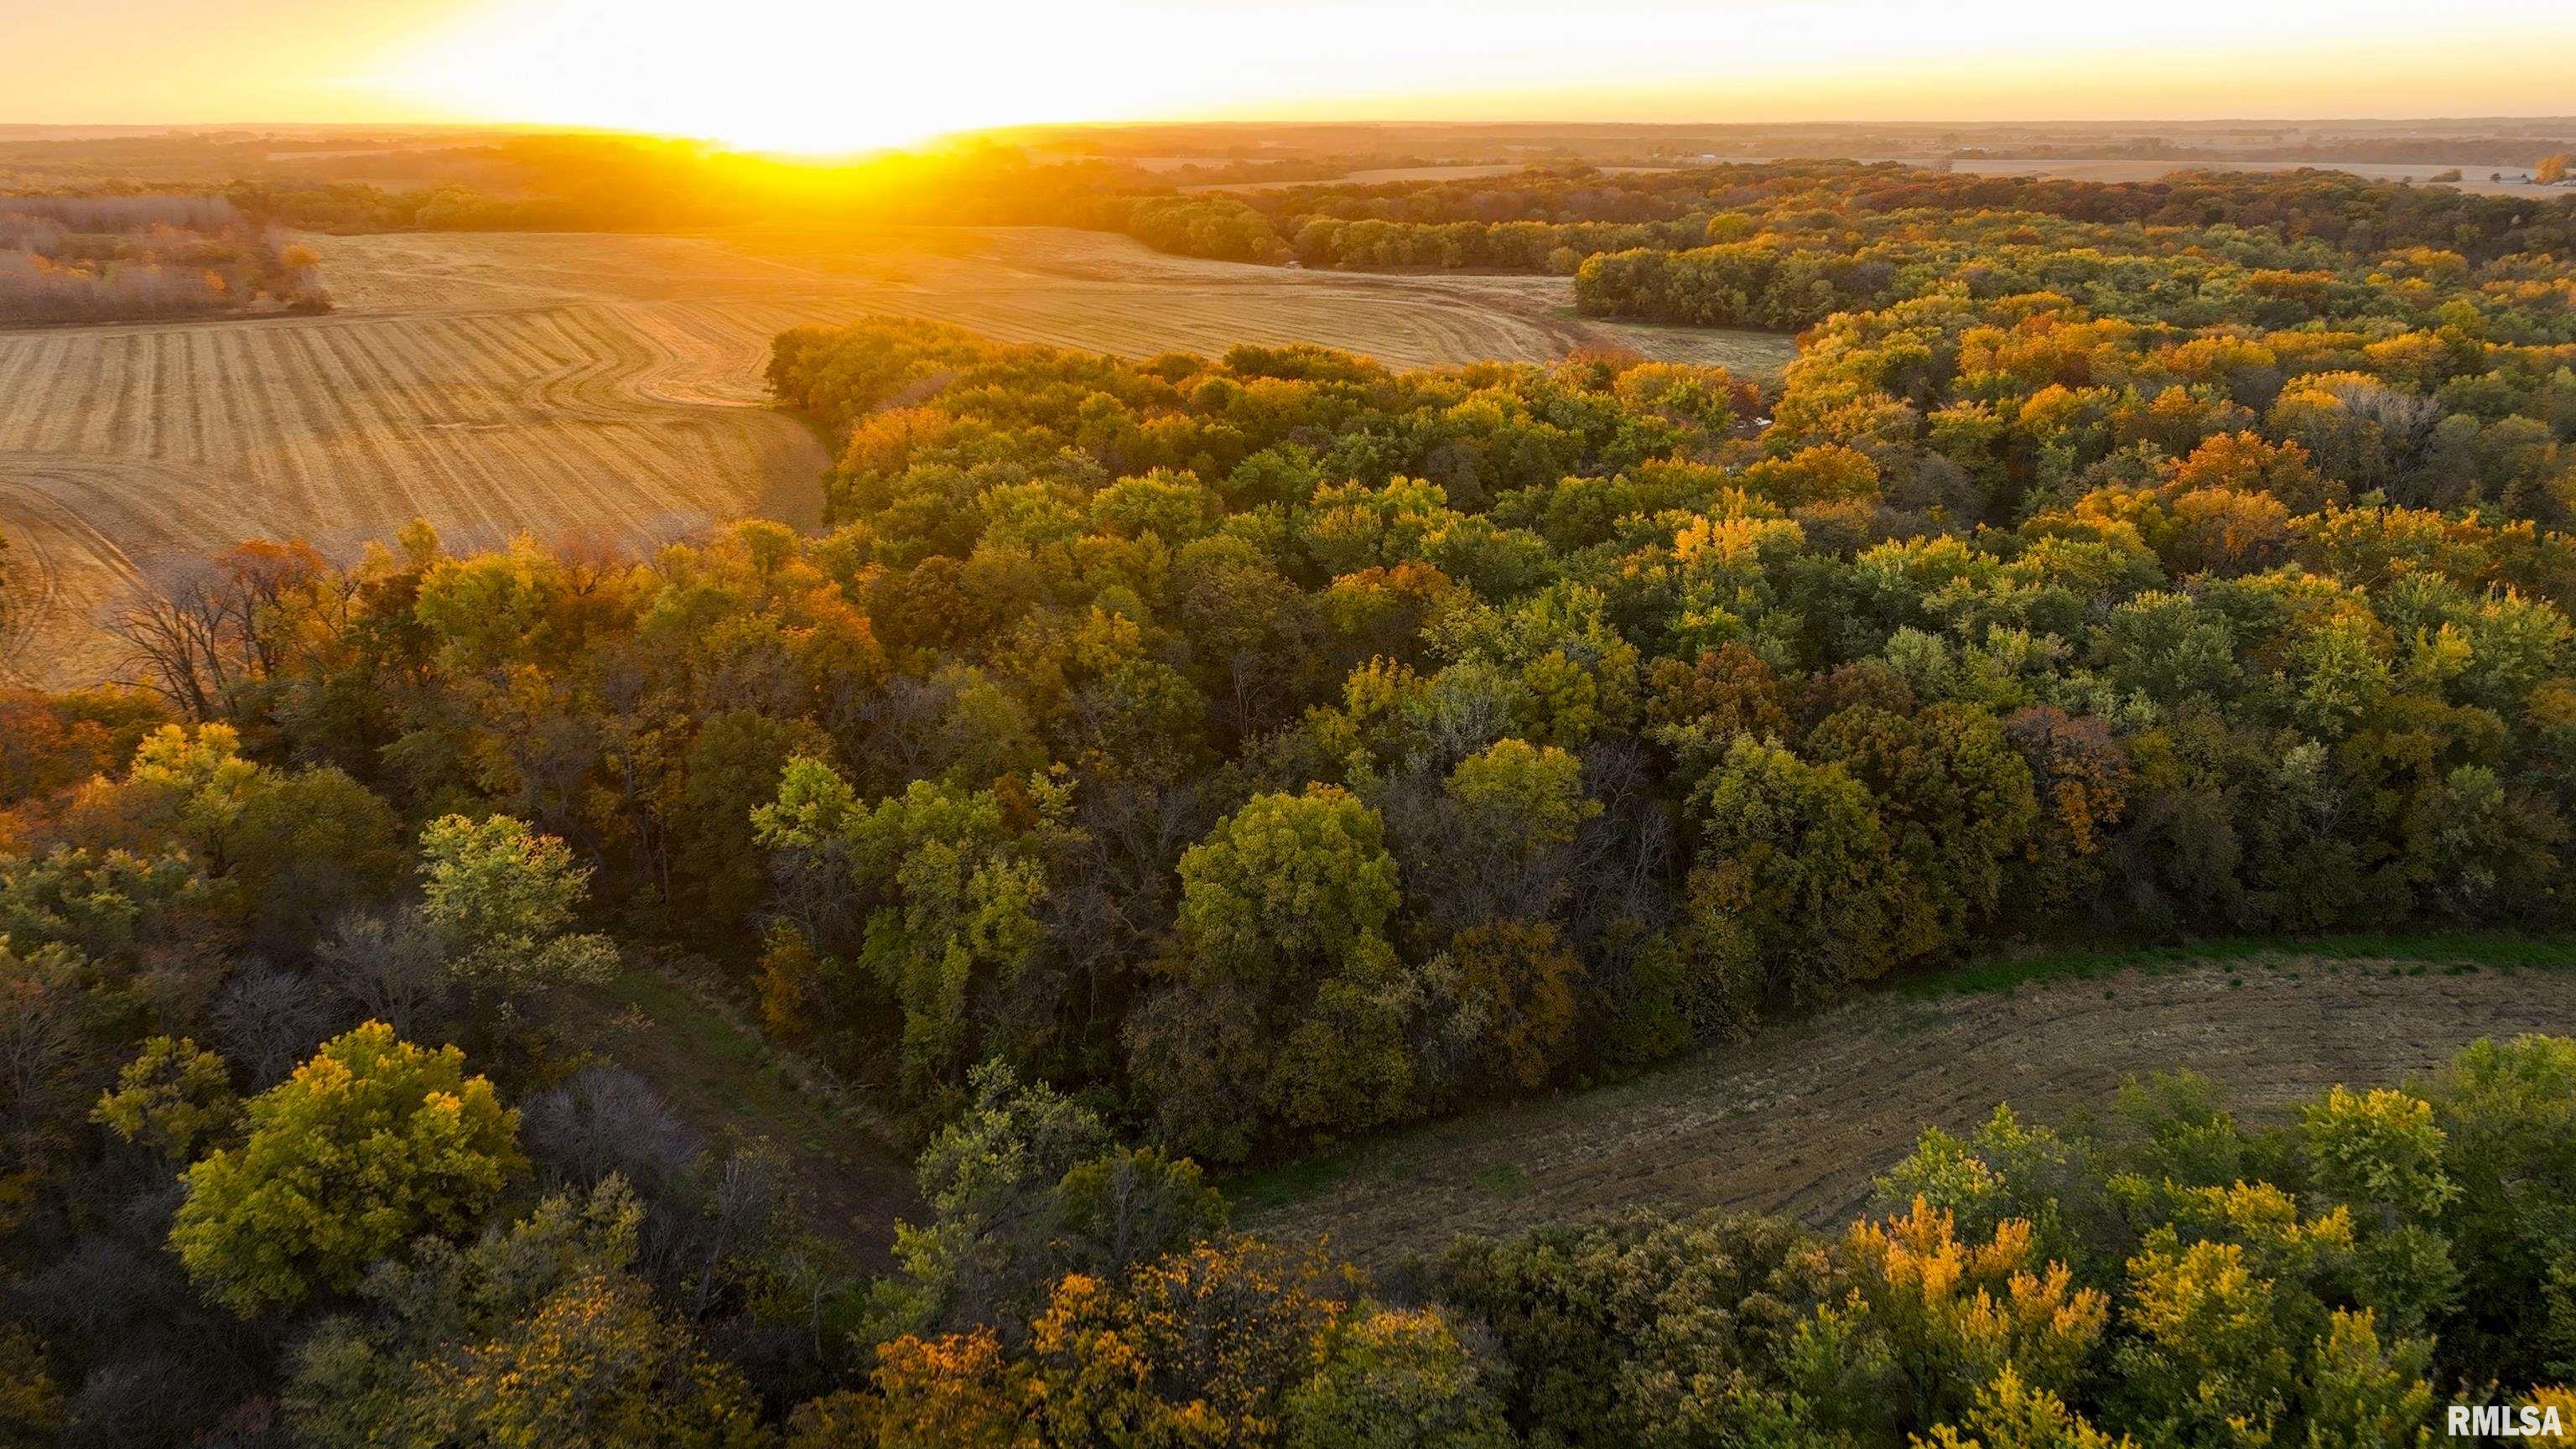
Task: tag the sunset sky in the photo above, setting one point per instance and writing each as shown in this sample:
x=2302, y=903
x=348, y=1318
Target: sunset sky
x=837, y=74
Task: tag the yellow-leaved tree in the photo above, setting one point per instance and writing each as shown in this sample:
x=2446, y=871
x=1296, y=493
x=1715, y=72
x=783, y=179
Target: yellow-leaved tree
x=370, y=1143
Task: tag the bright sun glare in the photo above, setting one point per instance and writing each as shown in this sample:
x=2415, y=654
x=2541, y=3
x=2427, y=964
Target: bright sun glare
x=837, y=75
x=787, y=75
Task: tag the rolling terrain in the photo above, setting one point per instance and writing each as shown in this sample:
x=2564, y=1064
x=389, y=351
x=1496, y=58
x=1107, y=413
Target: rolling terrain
x=1800, y=1120
x=601, y=386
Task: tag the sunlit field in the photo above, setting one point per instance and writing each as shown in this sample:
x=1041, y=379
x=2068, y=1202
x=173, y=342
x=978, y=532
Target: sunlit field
x=603, y=388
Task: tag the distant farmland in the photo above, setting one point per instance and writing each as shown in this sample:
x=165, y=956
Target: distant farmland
x=605, y=387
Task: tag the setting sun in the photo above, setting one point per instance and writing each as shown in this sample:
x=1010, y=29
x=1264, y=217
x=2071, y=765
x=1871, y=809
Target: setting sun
x=820, y=76
x=768, y=74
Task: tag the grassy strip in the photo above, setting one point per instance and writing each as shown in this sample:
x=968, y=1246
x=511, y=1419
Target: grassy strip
x=2503, y=950
x=1290, y=1182
x=1269, y=1188
x=730, y=1069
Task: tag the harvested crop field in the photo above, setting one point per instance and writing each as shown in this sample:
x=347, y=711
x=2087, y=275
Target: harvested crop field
x=1801, y=1119
x=600, y=386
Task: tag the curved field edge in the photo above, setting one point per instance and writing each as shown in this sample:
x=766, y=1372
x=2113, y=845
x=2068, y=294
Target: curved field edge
x=1801, y=1119
x=606, y=387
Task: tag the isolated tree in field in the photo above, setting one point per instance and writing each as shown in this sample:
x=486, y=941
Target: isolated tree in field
x=1288, y=999
x=503, y=901
x=371, y=1142
x=2553, y=169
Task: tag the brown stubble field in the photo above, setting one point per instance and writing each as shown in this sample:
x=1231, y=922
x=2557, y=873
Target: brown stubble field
x=600, y=387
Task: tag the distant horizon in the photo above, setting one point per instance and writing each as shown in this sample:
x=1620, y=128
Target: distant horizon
x=157, y=127
x=826, y=76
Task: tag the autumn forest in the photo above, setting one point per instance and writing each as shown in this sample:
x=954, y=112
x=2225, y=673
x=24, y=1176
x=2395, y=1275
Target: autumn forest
x=884, y=979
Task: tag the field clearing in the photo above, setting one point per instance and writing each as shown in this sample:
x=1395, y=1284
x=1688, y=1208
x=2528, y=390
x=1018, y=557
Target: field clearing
x=601, y=386
x=850, y=1181
x=1799, y=1120
x=2472, y=178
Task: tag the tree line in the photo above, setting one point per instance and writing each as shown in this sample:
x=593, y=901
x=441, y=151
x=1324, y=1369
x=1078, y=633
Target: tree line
x=1554, y=219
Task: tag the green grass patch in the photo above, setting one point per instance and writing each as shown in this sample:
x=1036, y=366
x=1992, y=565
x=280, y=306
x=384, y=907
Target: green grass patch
x=1505, y=1180
x=723, y=1065
x=1277, y=1187
x=2456, y=951
x=676, y=1010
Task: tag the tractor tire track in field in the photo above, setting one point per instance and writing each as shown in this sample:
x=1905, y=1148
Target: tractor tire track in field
x=1801, y=1119
x=73, y=542
x=179, y=440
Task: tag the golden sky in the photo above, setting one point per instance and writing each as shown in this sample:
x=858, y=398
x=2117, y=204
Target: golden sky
x=836, y=74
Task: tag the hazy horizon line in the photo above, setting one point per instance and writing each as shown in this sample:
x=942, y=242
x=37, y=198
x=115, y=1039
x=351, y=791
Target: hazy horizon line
x=1316, y=124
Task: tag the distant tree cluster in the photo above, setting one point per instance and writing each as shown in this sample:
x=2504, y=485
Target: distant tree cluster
x=1416, y=223
x=104, y=258
x=2186, y=279
x=624, y=183
x=1219, y=227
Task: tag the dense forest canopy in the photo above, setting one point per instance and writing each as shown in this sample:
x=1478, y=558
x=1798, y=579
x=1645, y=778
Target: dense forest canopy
x=1182, y=760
